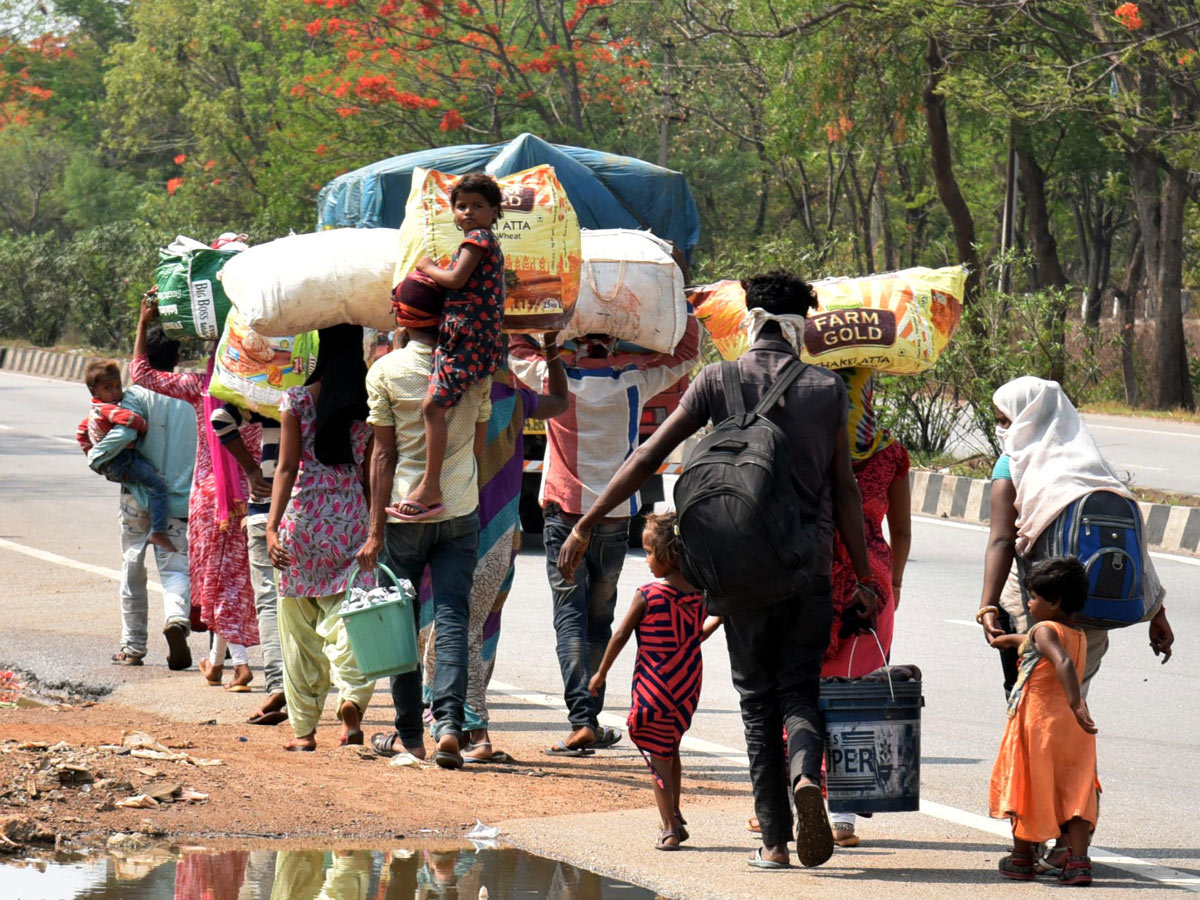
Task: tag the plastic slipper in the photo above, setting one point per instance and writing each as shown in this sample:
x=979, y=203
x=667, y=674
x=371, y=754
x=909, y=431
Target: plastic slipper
x=274, y=717
x=237, y=688
x=814, y=837
x=424, y=511
x=381, y=743
x=757, y=862
x=561, y=749
x=179, y=655
x=121, y=658
x=498, y=757
x=447, y=760
x=354, y=737
x=296, y=749
x=605, y=737
x=662, y=844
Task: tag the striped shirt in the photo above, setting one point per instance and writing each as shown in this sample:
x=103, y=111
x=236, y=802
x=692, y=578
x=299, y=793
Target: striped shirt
x=588, y=443
x=228, y=420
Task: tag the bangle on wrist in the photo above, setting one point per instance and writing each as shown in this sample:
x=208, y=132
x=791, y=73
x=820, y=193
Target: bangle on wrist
x=984, y=611
x=578, y=535
x=867, y=586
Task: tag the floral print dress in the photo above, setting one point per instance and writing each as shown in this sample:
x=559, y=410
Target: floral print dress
x=325, y=522
x=471, y=345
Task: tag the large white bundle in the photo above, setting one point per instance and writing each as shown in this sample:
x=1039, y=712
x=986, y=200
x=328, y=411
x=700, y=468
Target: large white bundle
x=631, y=288
x=308, y=281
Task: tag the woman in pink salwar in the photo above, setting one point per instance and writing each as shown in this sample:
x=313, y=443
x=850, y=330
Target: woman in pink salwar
x=218, y=566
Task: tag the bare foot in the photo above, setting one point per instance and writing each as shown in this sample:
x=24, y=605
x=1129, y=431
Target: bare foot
x=274, y=703
x=306, y=744
x=212, y=674
x=351, y=717
x=240, y=683
x=161, y=539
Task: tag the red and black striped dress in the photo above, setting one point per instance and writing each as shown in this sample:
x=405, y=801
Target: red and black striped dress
x=668, y=669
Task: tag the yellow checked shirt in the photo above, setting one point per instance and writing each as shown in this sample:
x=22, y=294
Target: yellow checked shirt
x=397, y=385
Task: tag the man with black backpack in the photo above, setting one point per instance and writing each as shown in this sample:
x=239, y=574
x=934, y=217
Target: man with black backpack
x=757, y=503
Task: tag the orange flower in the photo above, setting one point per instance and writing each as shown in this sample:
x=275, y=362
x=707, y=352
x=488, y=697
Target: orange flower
x=180, y=159
x=1129, y=15
x=452, y=121
x=173, y=185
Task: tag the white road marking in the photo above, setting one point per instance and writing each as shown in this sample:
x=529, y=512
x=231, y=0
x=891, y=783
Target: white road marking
x=47, y=556
x=946, y=523
x=6, y=428
x=998, y=827
x=1187, y=434
x=966, y=622
x=1141, y=868
x=62, y=439
x=1125, y=465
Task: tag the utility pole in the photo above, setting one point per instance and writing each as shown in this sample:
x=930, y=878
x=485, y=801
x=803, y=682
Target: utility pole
x=1010, y=214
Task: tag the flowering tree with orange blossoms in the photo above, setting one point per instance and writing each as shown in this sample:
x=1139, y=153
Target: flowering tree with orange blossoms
x=430, y=69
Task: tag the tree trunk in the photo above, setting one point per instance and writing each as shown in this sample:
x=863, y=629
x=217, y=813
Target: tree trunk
x=1126, y=295
x=1172, y=381
x=943, y=171
x=1045, y=247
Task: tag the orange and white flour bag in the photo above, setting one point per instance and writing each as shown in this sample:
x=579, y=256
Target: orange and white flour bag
x=894, y=322
x=253, y=371
x=539, y=234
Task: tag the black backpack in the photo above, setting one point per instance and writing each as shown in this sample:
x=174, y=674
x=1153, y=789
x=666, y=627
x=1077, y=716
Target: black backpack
x=742, y=540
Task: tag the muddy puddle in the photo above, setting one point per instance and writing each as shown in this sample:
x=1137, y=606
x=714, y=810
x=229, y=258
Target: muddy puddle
x=409, y=873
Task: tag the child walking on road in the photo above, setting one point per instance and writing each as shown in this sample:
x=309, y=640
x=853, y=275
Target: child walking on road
x=103, y=379
x=470, y=344
x=1044, y=779
x=668, y=617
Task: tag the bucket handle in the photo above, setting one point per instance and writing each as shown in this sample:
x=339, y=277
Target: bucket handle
x=887, y=669
x=353, y=576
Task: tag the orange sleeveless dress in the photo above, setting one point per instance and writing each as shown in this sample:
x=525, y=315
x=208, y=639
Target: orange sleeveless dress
x=1045, y=773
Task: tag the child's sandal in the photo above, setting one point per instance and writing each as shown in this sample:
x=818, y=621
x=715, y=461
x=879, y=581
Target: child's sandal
x=1077, y=870
x=1017, y=866
x=665, y=837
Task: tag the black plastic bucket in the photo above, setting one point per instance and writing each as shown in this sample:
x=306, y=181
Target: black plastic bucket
x=872, y=745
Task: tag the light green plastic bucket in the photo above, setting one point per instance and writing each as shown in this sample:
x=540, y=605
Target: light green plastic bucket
x=383, y=637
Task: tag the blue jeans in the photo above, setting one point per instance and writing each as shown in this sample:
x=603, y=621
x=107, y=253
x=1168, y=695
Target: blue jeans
x=128, y=467
x=449, y=549
x=583, y=611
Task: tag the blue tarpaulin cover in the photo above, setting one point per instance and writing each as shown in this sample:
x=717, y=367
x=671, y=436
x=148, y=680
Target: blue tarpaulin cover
x=607, y=191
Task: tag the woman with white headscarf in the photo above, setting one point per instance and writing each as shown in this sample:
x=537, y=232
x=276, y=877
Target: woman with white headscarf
x=1050, y=460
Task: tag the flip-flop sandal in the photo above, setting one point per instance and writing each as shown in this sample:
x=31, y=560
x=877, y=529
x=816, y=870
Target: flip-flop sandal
x=121, y=658
x=237, y=688
x=561, y=749
x=424, y=512
x=662, y=840
x=753, y=827
x=274, y=717
x=498, y=757
x=353, y=737
x=447, y=760
x=814, y=837
x=757, y=862
x=295, y=748
x=381, y=743
x=179, y=655
x=605, y=737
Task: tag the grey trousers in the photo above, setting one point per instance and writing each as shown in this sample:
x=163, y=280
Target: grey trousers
x=172, y=572
x=266, y=602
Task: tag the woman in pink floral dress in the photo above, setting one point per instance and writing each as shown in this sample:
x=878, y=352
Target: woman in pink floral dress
x=218, y=567
x=318, y=522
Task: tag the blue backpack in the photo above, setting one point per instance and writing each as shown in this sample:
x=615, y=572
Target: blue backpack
x=1103, y=530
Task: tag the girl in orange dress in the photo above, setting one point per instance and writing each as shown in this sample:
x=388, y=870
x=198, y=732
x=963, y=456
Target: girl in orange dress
x=1044, y=779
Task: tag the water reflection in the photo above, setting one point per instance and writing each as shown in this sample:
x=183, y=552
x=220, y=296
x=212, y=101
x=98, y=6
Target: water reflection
x=406, y=874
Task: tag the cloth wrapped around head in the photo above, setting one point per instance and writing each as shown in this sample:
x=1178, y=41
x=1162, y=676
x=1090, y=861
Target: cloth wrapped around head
x=417, y=303
x=866, y=437
x=342, y=374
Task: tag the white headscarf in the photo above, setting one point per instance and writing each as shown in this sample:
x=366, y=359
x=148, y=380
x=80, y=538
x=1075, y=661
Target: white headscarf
x=792, y=326
x=1053, y=458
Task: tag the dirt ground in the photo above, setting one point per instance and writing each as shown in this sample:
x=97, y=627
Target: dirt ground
x=261, y=791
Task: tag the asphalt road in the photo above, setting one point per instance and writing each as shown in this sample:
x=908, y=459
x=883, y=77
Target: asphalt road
x=58, y=548
x=1149, y=452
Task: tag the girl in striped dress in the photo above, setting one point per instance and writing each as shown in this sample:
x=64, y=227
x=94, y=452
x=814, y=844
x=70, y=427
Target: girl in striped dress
x=668, y=617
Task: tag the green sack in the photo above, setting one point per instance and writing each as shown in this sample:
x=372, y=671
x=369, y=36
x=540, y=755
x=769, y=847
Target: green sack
x=191, y=300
